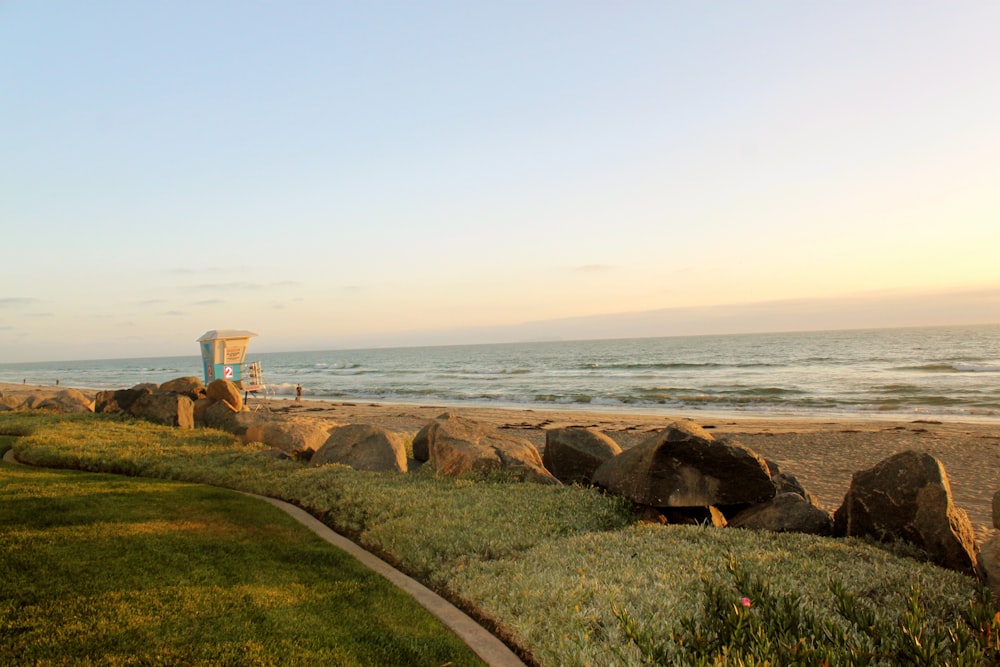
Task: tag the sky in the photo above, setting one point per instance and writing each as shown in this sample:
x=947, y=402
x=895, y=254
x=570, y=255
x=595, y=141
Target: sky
x=361, y=174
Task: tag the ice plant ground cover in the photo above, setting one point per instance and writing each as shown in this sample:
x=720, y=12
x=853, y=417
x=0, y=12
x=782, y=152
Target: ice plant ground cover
x=566, y=573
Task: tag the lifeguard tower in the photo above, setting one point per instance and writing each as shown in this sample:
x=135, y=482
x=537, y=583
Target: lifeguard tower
x=223, y=352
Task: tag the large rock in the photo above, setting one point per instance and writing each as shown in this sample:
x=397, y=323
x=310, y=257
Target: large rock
x=70, y=401
x=421, y=443
x=785, y=513
x=200, y=408
x=224, y=390
x=168, y=409
x=190, y=386
x=989, y=565
x=573, y=454
x=292, y=436
x=684, y=466
x=105, y=402
x=36, y=398
x=907, y=497
x=9, y=403
x=64, y=400
x=457, y=446
x=785, y=483
x=121, y=400
x=220, y=415
x=364, y=447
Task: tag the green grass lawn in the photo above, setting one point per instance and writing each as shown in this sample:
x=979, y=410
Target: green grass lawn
x=105, y=569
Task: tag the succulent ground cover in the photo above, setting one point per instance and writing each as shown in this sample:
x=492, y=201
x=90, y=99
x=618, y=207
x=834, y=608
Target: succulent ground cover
x=566, y=573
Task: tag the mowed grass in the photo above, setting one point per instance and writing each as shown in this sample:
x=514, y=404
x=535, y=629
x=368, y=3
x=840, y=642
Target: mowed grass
x=105, y=569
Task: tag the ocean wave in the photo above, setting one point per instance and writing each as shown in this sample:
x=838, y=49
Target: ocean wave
x=679, y=365
x=952, y=367
x=977, y=368
x=492, y=371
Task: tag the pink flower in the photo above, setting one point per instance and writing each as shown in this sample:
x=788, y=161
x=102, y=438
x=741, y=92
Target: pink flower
x=745, y=602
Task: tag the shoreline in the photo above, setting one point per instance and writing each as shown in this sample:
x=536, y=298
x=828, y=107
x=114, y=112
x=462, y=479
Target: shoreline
x=822, y=452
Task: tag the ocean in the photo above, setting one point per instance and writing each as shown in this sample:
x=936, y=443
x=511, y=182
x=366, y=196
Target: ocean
x=893, y=373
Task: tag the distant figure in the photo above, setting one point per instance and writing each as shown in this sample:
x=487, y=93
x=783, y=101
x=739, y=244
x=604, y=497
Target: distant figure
x=298, y=392
x=25, y=381
x=57, y=382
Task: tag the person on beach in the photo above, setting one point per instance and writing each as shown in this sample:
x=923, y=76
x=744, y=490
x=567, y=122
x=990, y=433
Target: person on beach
x=298, y=393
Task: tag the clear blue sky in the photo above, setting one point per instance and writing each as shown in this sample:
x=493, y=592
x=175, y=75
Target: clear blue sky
x=336, y=174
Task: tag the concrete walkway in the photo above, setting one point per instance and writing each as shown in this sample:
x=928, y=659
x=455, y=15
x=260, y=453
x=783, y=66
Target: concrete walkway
x=489, y=649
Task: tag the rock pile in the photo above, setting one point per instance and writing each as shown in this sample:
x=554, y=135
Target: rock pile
x=68, y=401
x=680, y=474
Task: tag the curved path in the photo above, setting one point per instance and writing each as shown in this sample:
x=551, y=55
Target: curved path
x=489, y=649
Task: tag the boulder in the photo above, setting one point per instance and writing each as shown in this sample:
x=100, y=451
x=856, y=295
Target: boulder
x=168, y=409
x=121, y=400
x=224, y=390
x=573, y=454
x=8, y=403
x=907, y=497
x=293, y=436
x=787, y=512
x=69, y=401
x=684, y=466
x=220, y=415
x=989, y=565
x=421, y=443
x=105, y=402
x=200, y=406
x=190, y=386
x=34, y=399
x=364, y=447
x=785, y=483
x=458, y=446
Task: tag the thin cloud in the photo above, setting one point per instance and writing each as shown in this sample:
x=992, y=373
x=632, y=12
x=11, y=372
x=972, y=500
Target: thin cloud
x=209, y=302
x=207, y=287
x=39, y=314
x=592, y=268
x=237, y=285
x=175, y=313
x=17, y=301
x=184, y=271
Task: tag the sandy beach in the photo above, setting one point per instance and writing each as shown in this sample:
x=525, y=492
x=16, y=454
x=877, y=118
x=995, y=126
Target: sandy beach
x=822, y=453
